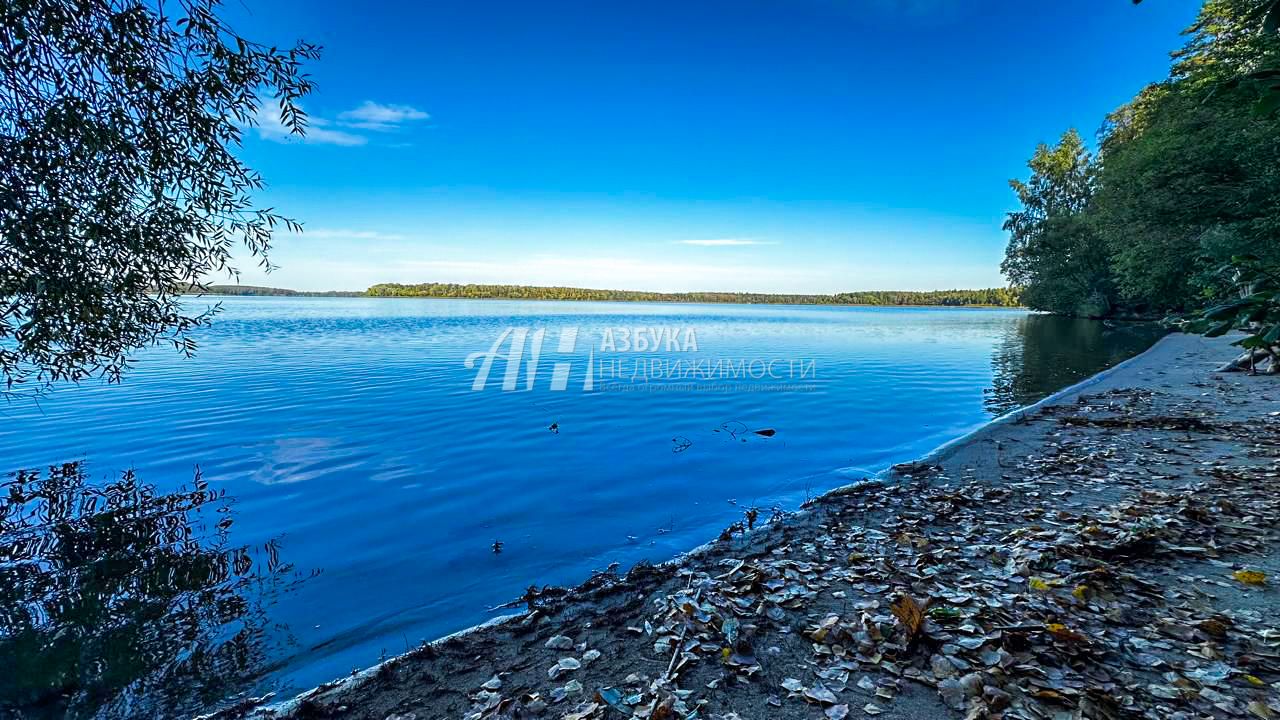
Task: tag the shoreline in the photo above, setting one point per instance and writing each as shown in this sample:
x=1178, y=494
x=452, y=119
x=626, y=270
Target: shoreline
x=1173, y=365
x=355, y=295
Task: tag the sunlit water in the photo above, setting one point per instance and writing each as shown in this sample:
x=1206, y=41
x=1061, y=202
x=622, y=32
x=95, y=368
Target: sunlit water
x=350, y=434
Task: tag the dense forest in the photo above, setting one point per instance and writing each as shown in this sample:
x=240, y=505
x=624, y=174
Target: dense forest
x=1182, y=179
x=1002, y=297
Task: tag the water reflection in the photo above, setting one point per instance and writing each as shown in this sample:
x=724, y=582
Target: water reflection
x=1040, y=354
x=122, y=601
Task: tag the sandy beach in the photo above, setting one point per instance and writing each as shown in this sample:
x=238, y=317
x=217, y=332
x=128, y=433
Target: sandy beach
x=1110, y=552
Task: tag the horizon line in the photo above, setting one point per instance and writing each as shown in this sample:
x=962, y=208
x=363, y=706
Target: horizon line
x=1009, y=288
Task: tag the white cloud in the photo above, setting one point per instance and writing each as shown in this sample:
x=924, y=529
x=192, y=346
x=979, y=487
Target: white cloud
x=381, y=118
x=321, y=131
x=271, y=127
x=725, y=242
x=343, y=234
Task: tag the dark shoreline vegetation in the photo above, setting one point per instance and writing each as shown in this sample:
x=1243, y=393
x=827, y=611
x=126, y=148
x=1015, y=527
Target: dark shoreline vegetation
x=987, y=297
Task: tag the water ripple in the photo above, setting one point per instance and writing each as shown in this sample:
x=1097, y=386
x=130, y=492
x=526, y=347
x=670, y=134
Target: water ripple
x=347, y=429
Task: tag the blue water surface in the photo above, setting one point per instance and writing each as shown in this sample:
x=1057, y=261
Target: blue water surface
x=349, y=429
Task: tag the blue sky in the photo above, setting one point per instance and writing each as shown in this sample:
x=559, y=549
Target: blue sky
x=753, y=145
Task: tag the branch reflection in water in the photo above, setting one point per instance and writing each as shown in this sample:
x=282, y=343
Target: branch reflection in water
x=117, y=600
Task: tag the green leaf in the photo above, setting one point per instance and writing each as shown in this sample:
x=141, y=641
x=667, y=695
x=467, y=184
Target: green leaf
x=1221, y=311
x=1219, y=329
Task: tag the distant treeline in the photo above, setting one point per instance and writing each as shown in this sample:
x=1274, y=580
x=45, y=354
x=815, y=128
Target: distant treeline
x=259, y=290
x=989, y=297
x=999, y=297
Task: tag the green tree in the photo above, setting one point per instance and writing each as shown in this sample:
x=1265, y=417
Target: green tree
x=119, y=185
x=1055, y=254
x=1232, y=43
x=1190, y=170
x=1229, y=39
x=1198, y=184
x=990, y=296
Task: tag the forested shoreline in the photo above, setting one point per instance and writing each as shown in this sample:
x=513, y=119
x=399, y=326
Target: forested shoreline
x=263, y=291
x=987, y=297
x=1183, y=179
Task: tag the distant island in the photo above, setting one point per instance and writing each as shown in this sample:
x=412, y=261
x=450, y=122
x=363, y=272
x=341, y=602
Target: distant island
x=988, y=297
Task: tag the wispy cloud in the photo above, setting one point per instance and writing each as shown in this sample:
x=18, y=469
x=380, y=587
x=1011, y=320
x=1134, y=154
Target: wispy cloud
x=381, y=118
x=725, y=242
x=369, y=116
x=271, y=127
x=343, y=234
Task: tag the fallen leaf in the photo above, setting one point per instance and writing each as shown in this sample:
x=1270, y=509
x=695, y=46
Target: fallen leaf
x=611, y=697
x=1062, y=632
x=910, y=614
x=559, y=642
x=1250, y=577
x=564, y=665
x=820, y=694
x=1257, y=709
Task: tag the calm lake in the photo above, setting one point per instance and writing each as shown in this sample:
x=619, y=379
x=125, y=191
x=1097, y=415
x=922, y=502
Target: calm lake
x=369, y=469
